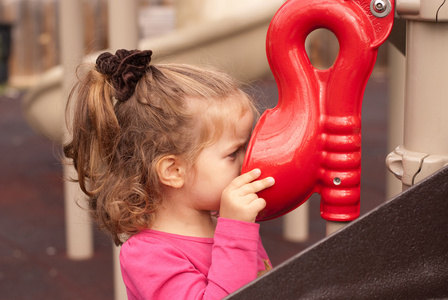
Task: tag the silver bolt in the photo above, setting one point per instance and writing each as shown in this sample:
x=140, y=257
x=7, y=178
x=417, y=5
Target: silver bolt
x=380, y=8
x=337, y=181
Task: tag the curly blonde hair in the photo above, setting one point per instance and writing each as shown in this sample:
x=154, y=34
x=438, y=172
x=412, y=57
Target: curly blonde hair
x=115, y=146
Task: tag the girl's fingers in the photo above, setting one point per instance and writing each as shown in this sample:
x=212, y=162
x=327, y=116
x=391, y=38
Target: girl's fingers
x=256, y=186
x=248, y=193
x=245, y=178
x=258, y=204
x=240, y=200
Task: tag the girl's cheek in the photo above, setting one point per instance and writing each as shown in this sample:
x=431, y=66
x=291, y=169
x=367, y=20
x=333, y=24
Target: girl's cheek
x=241, y=158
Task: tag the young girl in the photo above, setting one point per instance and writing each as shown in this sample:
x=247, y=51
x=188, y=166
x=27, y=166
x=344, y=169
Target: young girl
x=158, y=150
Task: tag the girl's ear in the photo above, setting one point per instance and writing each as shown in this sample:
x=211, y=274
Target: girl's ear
x=171, y=171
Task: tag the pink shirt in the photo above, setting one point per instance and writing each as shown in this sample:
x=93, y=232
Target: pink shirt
x=159, y=265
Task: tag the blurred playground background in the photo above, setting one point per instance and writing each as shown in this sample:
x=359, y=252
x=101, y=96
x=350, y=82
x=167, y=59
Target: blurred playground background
x=33, y=260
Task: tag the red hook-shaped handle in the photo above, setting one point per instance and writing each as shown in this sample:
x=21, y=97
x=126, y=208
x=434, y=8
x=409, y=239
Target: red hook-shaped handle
x=311, y=141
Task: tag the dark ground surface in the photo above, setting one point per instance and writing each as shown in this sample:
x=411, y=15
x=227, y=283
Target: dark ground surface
x=33, y=260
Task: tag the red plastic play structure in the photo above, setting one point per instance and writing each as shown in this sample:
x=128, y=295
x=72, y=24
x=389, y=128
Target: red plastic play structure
x=311, y=141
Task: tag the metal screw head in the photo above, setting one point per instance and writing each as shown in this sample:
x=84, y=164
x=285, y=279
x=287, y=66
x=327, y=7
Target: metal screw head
x=380, y=8
x=337, y=181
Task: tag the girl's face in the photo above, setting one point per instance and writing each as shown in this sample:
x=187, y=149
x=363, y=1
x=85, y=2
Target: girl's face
x=218, y=164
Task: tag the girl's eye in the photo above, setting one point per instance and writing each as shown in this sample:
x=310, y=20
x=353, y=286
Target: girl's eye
x=233, y=154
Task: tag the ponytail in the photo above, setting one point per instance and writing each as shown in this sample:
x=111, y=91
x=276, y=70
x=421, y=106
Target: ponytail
x=95, y=130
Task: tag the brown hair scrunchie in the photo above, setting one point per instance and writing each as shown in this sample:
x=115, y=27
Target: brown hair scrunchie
x=124, y=69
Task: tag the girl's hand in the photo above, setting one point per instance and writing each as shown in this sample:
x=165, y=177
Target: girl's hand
x=239, y=200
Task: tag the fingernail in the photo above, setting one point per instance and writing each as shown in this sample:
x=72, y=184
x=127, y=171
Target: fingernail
x=257, y=171
x=271, y=180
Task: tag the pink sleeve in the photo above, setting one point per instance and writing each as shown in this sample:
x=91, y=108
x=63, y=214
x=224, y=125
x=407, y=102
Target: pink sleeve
x=168, y=274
